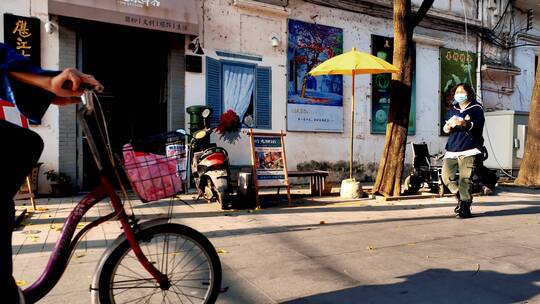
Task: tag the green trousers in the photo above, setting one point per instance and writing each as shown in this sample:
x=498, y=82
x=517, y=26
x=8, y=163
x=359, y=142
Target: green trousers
x=463, y=183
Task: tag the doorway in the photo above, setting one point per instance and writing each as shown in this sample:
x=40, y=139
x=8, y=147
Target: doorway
x=132, y=64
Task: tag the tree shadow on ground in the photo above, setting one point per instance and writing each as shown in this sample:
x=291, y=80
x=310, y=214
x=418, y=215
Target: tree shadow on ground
x=439, y=286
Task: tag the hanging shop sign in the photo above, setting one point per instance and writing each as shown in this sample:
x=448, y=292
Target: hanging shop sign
x=383, y=47
x=456, y=67
x=177, y=16
x=23, y=34
x=313, y=103
x=269, y=161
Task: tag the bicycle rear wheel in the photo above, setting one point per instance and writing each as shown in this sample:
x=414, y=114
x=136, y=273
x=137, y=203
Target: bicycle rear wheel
x=187, y=258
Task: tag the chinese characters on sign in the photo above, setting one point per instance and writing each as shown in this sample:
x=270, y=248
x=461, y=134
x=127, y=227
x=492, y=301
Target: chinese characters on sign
x=155, y=23
x=456, y=67
x=140, y=3
x=23, y=34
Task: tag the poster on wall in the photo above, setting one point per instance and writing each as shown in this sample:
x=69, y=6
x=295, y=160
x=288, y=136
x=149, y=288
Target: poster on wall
x=383, y=47
x=456, y=67
x=313, y=103
x=23, y=34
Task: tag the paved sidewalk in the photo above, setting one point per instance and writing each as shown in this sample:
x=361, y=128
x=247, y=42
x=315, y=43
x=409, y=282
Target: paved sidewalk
x=330, y=251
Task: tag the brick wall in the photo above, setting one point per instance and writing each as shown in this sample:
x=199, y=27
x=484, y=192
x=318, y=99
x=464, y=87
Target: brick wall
x=68, y=142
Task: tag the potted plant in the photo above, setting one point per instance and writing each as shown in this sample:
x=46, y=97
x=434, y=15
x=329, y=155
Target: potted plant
x=59, y=182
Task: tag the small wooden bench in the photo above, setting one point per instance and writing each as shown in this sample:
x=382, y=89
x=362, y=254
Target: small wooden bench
x=317, y=179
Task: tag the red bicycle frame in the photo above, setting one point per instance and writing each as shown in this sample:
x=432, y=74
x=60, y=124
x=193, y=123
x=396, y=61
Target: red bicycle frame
x=66, y=243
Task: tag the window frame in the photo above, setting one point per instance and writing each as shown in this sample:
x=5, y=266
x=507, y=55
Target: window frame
x=256, y=69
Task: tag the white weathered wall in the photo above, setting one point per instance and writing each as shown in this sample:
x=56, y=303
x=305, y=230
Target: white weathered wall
x=49, y=59
x=230, y=28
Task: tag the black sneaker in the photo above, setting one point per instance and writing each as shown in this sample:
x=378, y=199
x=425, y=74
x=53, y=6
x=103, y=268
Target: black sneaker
x=458, y=206
x=465, y=210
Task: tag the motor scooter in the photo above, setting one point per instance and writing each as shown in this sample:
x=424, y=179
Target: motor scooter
x=209, y=165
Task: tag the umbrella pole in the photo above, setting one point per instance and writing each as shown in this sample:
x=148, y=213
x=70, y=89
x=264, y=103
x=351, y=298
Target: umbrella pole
x=352, y=127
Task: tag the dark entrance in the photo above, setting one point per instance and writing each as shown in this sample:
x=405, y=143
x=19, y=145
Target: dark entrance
x=132, y=64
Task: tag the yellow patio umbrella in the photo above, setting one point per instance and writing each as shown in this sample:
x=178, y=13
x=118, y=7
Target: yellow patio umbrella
x=353, y=63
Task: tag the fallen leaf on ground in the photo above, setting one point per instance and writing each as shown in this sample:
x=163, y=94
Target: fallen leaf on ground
x=221, y=250
x=80, y=225
x=78, y=256
x=33, y=238
x=20, y=282
x=56, y=228
x=369, y=247
x=41, y=209
x=322, y=222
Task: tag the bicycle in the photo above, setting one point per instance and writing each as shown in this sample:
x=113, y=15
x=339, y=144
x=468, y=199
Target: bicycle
x=152, y=261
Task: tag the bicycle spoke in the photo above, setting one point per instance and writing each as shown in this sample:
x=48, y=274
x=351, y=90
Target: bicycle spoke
x=179, y=263
x=134, y=279
x=192, y=287
x=177, y=295
x=186, y=296
x=137, y=299
x=129, y=269
x=203, y=262
x=126, y=289
x=177, y=250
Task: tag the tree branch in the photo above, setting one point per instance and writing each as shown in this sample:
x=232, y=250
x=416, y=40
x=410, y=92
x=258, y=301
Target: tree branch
x=421, y=13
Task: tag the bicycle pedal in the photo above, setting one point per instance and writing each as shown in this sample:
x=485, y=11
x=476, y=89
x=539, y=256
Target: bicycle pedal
x=224, y=289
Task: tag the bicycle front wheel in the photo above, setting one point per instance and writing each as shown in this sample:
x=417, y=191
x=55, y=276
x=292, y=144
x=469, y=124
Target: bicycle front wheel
x=187, y=258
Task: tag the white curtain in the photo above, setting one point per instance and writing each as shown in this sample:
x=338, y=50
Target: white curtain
x=238, y=82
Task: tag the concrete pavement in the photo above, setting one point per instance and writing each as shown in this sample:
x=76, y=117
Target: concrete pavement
x=325, y=250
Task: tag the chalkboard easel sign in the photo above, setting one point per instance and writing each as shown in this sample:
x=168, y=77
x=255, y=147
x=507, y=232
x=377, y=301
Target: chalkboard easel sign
x=269, y=162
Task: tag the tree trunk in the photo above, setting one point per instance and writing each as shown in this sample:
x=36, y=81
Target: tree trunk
x=529, y=172
x=388, y=181
x=304, y=83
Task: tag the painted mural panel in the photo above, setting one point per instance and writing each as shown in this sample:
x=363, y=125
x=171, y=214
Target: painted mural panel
x=456, y=67
x=313, y=103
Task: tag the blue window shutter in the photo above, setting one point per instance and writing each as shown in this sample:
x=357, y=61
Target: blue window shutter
x=213, y=89
x=263, y=98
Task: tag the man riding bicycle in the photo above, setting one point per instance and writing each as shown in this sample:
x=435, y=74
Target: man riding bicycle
x=30, y=90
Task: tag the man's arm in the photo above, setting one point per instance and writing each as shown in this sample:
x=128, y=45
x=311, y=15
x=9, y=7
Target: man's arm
x=55, y=84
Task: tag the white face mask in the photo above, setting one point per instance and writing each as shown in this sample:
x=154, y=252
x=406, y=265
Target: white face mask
x=460, y=98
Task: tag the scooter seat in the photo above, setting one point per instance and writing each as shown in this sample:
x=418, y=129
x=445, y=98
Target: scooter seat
x=212, y=150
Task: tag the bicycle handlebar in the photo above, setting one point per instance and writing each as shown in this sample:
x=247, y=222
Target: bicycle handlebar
x=85, y=86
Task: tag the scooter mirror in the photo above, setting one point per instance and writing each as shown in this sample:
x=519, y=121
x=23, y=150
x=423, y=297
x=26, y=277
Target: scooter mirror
x=200, y=134
x=182, y=131
x=206, y=113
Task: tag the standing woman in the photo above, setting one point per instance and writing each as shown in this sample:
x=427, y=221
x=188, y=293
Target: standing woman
x=464, y=123
x=29, y=90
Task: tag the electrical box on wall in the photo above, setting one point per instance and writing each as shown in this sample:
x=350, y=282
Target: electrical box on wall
x=193, y=64
x=505, y=133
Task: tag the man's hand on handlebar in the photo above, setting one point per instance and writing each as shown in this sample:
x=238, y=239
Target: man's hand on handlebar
x=70, y=85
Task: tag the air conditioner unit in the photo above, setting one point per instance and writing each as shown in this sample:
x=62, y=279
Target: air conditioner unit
x=505, y=133
x=270, y=6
